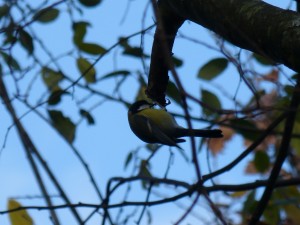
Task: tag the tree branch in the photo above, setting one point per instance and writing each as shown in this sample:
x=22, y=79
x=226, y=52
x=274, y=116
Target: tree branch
x=282, y=154
x=247, y=24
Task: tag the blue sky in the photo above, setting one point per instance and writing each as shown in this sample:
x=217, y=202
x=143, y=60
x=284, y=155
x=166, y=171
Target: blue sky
x=106, y=144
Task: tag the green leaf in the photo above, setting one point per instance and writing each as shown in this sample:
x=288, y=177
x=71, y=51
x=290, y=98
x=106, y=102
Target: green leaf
x=250, y=204
x=295, y=142
x=289, y=89
x=144, y=172
x=246, y=128
x=212, y=101
x=46, y=15
x=263, y=60
x=213, y=68
x=93, y=49
x=10, y=61
x=90, y=3
x=173, y=92
x=177, y=62
x=128, y=159
x=123, y=73
x=55, y=96
x=87, y=70
x=261, y=161
x=63, y=125
x=26, y=41
x=20, y=217
x=272, y=214
x=135, y=52
x=4, y=10
x=79, y=29
x=87, y=116
x=51, y=78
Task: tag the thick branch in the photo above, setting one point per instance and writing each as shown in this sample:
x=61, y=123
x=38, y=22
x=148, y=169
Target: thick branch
x=167, y=27
x=249, y=24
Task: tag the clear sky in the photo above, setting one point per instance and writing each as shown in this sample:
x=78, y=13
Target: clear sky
x=105, y=145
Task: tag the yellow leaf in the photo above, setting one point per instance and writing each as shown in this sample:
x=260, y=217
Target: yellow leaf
x=238, y=194
x=20, y=217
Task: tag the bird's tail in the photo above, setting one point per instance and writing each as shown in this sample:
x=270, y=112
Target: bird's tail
x=181, y=132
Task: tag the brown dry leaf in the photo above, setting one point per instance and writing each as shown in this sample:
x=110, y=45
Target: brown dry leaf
x=250, y=168
x=269, y=99
x=271, y=76
x=217, y=145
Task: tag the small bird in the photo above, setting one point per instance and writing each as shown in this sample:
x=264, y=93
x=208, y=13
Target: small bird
x=158, y=126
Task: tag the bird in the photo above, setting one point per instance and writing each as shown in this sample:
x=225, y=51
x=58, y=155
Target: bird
x=153, y=125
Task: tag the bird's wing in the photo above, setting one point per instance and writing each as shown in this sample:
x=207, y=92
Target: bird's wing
x=160, y=135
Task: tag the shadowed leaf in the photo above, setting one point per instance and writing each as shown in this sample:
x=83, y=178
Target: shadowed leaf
x=261, y=161
x=79, y=29
x=46, y=15
x=63, y=125
x=115, y=74
x=26, y=41
x=90, y=3
x=211, y=100
x=87, y=116
x=213, y=68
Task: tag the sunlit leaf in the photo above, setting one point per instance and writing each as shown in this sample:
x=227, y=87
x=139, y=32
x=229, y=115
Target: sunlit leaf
x=87, y=70
x=238, y=194
x=87, y=116
x=115, y=74
x=79, y=29
x=51, y=78
x=46, y=15
x=26, y=41
x=63, y=125
x=261, y=161
x=173, y=92
x=20, y=217
x=90, y=3
x=212, y=101
x=92, y=48
x=213, y=68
